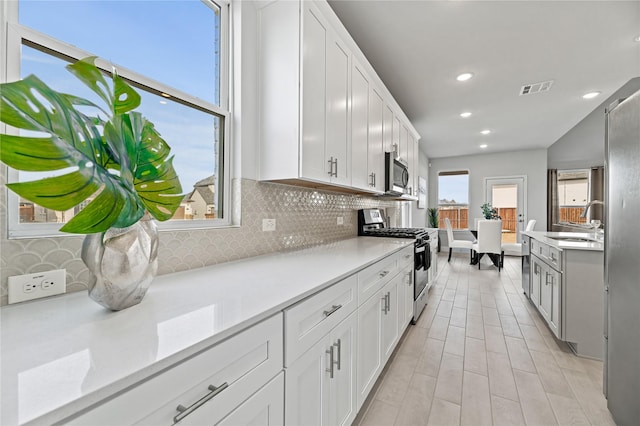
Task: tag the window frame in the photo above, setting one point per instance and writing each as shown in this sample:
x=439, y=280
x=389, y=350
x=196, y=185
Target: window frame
x=18, y=35
x=455, y=172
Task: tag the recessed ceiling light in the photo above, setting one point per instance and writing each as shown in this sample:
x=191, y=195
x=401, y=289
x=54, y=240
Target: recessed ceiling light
x=465, y=115
x=485, y=131
x=636, y=38
x=483, y=146
x=590, y=95
x=465, y=76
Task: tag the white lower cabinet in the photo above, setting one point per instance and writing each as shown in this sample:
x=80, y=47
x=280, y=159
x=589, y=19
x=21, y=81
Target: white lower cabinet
x=264, y=408
x=378, y=333
x=205, y=388
x=405, y=299
x=320, y=384
x=546, y=287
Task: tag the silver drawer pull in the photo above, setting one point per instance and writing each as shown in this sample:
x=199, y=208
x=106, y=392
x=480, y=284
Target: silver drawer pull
x=332, y=310
x=383, y=274
x=185, y=411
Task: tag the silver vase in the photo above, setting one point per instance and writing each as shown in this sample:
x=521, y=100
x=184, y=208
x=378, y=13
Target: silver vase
x=122, y=263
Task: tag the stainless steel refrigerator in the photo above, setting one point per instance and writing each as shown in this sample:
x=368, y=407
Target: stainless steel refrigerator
x=622, y=261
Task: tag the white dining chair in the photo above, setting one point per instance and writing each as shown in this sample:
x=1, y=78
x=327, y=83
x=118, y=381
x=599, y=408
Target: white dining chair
x=489, y=240
x=515, y=249
x=453, y=243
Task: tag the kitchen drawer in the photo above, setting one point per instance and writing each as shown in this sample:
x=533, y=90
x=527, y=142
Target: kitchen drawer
x=541, y=249
x=309, y=320
x=405, y=257
x=373, y=278
x=237, y=367
x=555, y=258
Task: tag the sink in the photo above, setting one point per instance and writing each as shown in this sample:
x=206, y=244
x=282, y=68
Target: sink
x=574, y=239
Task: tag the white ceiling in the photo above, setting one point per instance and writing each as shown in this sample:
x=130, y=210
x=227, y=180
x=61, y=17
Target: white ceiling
x=418, y=48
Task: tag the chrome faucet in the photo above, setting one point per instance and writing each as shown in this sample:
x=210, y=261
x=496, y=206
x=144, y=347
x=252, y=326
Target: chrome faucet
x=588, y=206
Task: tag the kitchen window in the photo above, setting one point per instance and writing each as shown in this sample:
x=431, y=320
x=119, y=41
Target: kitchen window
x=175, y=53
x=453, y=199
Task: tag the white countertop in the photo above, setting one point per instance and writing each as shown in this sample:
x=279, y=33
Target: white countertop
x=63, y=354
x=559, y=240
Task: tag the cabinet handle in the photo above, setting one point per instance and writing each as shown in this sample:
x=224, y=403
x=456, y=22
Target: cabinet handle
x=330, y=166
x=546, y=278
x=338, y=345
x=335, y=174
x=388, y=297
x=383, y=274
x=331, y=362
x=332, y=310
x=185, y=411
x=384, y=304
x=374, y=179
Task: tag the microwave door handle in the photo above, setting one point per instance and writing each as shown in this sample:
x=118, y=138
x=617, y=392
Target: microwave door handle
x=405, y=177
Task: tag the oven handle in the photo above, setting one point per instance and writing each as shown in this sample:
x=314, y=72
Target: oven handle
x=419, y=249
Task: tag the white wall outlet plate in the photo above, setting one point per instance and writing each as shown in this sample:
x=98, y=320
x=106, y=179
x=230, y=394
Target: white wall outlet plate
x=340, y=220
x=34, y=286
x=268, y=225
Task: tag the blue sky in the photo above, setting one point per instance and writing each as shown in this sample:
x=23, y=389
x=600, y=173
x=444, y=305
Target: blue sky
x=171, y=42
x=454, y=187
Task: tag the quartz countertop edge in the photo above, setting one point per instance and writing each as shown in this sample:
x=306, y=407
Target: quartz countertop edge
x=63, y=355
x=549, y=238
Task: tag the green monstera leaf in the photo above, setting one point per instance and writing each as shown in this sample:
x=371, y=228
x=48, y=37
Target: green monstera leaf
x=121, y=163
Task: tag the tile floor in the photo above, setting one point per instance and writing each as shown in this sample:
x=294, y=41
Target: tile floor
x=482, y=355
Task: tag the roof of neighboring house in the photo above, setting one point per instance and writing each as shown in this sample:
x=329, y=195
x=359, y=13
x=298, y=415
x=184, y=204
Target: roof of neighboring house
x=202, y=188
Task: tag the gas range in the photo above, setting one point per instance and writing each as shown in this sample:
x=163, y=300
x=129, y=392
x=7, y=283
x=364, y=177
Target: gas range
x=371, y=224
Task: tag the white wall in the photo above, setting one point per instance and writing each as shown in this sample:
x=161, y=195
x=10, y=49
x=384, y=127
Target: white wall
x=583, y=145
x=419, y=216
x=530, y=163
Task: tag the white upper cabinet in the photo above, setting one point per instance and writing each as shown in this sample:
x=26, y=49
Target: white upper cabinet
x=375, y=153
x=359, y=127
x=322, y=108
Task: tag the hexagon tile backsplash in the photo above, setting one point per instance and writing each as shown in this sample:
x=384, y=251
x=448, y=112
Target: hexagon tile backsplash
x=304, y=218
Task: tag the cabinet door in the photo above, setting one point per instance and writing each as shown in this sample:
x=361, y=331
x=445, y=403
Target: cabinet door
x=408, y=297
x=375, y=149
x=395, y=137
x=337, y=102
x=404, y=144
x=359, y=128
x=387, y=129
x=264, y=408
x=307, y=390
x=390, y=316
x=537, y=279
x=545, y=294
x=315, y=161
x=369, y=353
x=342, y=388
x=555, y=281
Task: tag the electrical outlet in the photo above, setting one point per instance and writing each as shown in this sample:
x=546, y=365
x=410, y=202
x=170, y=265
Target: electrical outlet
x=268, y=225
x=34, y=286
x=340, y=220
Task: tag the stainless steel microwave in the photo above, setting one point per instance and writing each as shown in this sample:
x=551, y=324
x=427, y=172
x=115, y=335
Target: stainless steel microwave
x=396, y=175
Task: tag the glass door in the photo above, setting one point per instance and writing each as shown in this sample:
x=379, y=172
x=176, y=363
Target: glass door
x=508, y=196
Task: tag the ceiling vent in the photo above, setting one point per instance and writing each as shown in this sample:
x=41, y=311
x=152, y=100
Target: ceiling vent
x=531, y=88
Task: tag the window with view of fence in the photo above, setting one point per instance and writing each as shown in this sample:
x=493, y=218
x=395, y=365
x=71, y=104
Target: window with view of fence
x=572, y=214
x=457, y=215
